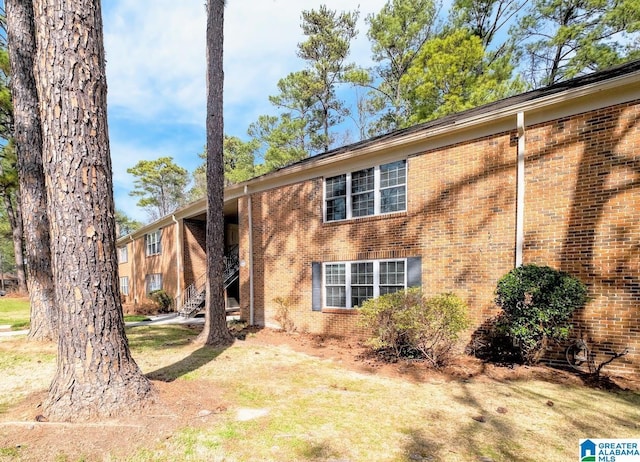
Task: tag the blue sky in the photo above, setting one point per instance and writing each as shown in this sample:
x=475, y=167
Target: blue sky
x=155, y=53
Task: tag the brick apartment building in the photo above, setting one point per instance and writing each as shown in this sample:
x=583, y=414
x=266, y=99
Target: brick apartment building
x=550, y=177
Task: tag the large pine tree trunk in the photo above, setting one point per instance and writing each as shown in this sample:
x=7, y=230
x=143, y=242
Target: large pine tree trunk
x=215, y=330
x=28, y=140
x=95, y=375
x=15, y=222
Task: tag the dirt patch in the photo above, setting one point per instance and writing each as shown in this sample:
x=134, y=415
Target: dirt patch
x=28, y=436
x=353, y=354
x=180, y=403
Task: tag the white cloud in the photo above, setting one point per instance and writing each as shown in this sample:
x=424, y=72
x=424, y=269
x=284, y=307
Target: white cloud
x=156, y=72
x=156, y=53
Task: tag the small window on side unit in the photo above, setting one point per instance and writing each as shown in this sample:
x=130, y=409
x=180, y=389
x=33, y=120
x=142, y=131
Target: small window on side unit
x=123, y=254
x=154, y=282
x=153, y=243
x=124, y=285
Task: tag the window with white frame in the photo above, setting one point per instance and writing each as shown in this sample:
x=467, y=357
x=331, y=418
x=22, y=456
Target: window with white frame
x=154, y=282
x=348, y=284
x=152, y=241
x=123, y=254
x=370, y=191
x=124, y=285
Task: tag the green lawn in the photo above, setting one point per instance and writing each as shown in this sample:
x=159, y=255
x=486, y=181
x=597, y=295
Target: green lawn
x=14, y=312
x=307, y=408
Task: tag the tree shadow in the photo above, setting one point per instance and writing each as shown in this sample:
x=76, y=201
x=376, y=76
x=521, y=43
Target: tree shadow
x=582, y=181
x=193, y=362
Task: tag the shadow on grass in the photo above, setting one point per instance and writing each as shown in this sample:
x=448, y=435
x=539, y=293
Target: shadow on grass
x=418, y=447
x=318, y=451
x=193, y=362
x=160, y=337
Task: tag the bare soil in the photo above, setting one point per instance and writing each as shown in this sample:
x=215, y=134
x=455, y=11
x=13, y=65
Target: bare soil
x=26, y=435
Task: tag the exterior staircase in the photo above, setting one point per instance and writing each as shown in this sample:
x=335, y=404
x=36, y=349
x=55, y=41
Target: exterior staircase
x=193, y=298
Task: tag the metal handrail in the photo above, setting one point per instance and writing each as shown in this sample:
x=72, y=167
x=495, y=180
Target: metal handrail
x=195, y=290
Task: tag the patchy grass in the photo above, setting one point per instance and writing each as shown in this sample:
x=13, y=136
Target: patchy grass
x=14, y=312
x=136, y=318
x=283, y=405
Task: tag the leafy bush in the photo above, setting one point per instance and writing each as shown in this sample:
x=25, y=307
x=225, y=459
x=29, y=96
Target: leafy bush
x=538, y=302
x=407, y=324
x=162, y=299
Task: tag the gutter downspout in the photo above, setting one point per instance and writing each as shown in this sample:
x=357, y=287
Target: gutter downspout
x=520, y=190
x=134, y=275
x=250, y=218
x=179, y=258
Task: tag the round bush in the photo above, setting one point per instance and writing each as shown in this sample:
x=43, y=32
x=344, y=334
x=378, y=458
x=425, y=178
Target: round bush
x=538, y=302
x=407, y=324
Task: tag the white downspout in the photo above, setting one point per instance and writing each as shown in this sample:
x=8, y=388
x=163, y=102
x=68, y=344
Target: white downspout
x=134, y=275
x=520, y=190
x=250, y=218
x=179, y=257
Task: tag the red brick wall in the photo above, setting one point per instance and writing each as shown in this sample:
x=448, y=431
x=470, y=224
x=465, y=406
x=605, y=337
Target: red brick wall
x=582, y=203
x=583, y=206
x=139, y=265
x=194, y=242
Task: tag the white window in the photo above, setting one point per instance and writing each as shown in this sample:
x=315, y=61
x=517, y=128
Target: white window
x=124, y=285
x=152, y=241
x=371, y=191
x=123, y=254
x=348, y=284
x=154, y=282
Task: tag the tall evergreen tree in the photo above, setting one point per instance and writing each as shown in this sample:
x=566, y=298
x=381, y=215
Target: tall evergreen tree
x=95, y=373
x=33, y=198
x=397, y=34
x=561, y=39
x=444, y=77
x=160, y=184
x=215, y=331
x=310, y=94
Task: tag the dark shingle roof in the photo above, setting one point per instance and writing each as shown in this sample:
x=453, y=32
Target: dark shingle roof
x=601, y=76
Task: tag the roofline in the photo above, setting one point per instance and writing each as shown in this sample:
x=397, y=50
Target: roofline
x=499, y=114
x=532, y=101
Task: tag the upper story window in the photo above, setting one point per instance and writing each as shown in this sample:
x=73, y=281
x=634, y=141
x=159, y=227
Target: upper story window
x=123, y=254
x=152, y=241
x=371, y=191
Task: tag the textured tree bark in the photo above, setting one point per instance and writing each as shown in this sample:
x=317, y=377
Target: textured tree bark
x=13, y=215
x=28, y=140
x=95, y=375
x=215, y=330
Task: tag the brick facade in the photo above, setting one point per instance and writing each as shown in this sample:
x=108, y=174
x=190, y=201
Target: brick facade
x=195, y=257
x=139, y=265
x=581, y=206
x=582, y=198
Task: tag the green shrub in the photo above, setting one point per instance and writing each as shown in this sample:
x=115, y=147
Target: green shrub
x=407, y=324
x=162, y=299
x=538, y=302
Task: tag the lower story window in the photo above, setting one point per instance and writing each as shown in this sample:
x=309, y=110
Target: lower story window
x=124, y=285
x=348, y=284
x=154, y=282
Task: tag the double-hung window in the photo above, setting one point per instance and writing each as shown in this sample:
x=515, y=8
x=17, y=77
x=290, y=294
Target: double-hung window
x=348, y=284
x=123, y=254
x=152, y=241
x=154, y=282
x=124, y=285
x=370, y=191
